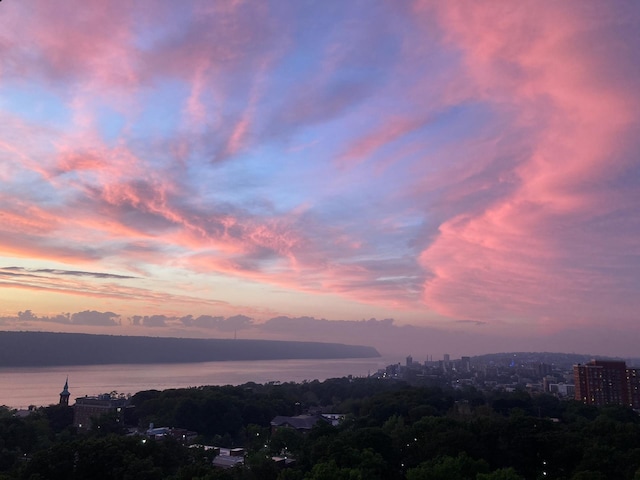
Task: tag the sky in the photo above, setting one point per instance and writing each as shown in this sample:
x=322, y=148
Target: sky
x=425, y=177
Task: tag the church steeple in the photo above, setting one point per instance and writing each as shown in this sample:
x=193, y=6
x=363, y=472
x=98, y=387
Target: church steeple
x=64, y=395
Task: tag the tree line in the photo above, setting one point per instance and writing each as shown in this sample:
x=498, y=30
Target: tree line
x=391, y=430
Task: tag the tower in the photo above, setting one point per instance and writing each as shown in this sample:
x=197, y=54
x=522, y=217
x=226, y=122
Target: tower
x=64, y=395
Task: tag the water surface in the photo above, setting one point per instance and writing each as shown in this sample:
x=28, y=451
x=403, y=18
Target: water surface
x=21, y=387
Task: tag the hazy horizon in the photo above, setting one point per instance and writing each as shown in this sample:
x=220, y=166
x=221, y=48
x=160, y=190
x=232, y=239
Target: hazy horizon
x=423, y=177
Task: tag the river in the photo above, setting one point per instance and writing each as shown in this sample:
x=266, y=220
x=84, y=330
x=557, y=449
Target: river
x=21, y=387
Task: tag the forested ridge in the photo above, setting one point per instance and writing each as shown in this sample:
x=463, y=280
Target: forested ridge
x=391, y=431
x=18, y=349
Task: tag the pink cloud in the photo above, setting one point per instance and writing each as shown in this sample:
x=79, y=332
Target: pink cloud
x=200, y=83
x=298, y=267
x=521, y=257
x=510, y=219
x=66, y=44
x=391, y=130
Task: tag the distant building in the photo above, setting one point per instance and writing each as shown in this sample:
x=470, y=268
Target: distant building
x=333, y=418
x=226, y=462
x=601, y=382
x=64, y=394
x=543, y=369
x=561, y=389
x=465, y=364
x=228, y=458
x=182, y=435
x=22, y=413
x=302, y=423
x=409, y=361
x=86, y=409
x=633, y=378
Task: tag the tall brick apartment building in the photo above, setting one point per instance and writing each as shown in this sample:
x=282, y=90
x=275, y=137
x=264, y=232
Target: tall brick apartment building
x=604, y=382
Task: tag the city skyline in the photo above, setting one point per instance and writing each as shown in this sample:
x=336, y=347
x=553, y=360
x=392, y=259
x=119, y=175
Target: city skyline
x=459, y=176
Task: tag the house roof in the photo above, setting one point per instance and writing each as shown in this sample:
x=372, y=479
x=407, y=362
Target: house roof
x=227, y=461
x=300, y=422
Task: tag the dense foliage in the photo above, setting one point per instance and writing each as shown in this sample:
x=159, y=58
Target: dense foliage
x=391, y=431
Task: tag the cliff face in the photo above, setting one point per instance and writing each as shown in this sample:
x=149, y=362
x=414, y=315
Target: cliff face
x=21, y=349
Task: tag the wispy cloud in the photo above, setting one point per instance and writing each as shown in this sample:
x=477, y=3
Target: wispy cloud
x=439, y=163
x=538, y=247
x=75, y=273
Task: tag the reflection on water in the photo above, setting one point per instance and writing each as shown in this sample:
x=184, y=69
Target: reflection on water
x=21, y=387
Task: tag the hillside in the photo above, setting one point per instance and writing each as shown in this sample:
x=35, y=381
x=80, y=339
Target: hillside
x=562, y=360
x=21, y=349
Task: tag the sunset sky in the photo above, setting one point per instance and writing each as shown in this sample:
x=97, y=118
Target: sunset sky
x=437, y=176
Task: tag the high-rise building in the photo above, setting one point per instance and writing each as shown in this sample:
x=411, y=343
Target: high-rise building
x=465, y=364
x=603, y=382
x=633, y=380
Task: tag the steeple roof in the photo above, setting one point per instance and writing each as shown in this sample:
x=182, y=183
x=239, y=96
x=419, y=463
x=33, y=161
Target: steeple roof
x=65, y=390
